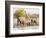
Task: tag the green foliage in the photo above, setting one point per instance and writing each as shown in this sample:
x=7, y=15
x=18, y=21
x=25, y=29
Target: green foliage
x=20, y=13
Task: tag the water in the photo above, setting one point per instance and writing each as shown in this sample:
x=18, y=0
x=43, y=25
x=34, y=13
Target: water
x=21, y=26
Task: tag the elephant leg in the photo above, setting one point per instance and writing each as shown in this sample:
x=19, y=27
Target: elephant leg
x=23, y=22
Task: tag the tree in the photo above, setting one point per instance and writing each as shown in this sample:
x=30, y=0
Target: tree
x=20, y=12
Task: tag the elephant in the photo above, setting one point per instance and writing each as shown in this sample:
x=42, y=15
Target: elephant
x=34, y=21
x=24, y=20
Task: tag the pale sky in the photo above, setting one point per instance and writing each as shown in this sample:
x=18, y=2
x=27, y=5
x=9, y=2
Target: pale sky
x=29, y=9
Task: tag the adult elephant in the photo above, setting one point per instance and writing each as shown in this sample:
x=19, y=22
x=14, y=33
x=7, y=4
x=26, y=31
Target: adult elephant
x=21, y=20
x=24, y=20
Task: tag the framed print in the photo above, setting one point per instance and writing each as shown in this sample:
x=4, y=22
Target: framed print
x=24, y=18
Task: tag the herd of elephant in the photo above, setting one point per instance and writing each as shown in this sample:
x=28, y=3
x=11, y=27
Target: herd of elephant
x=27, y=21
